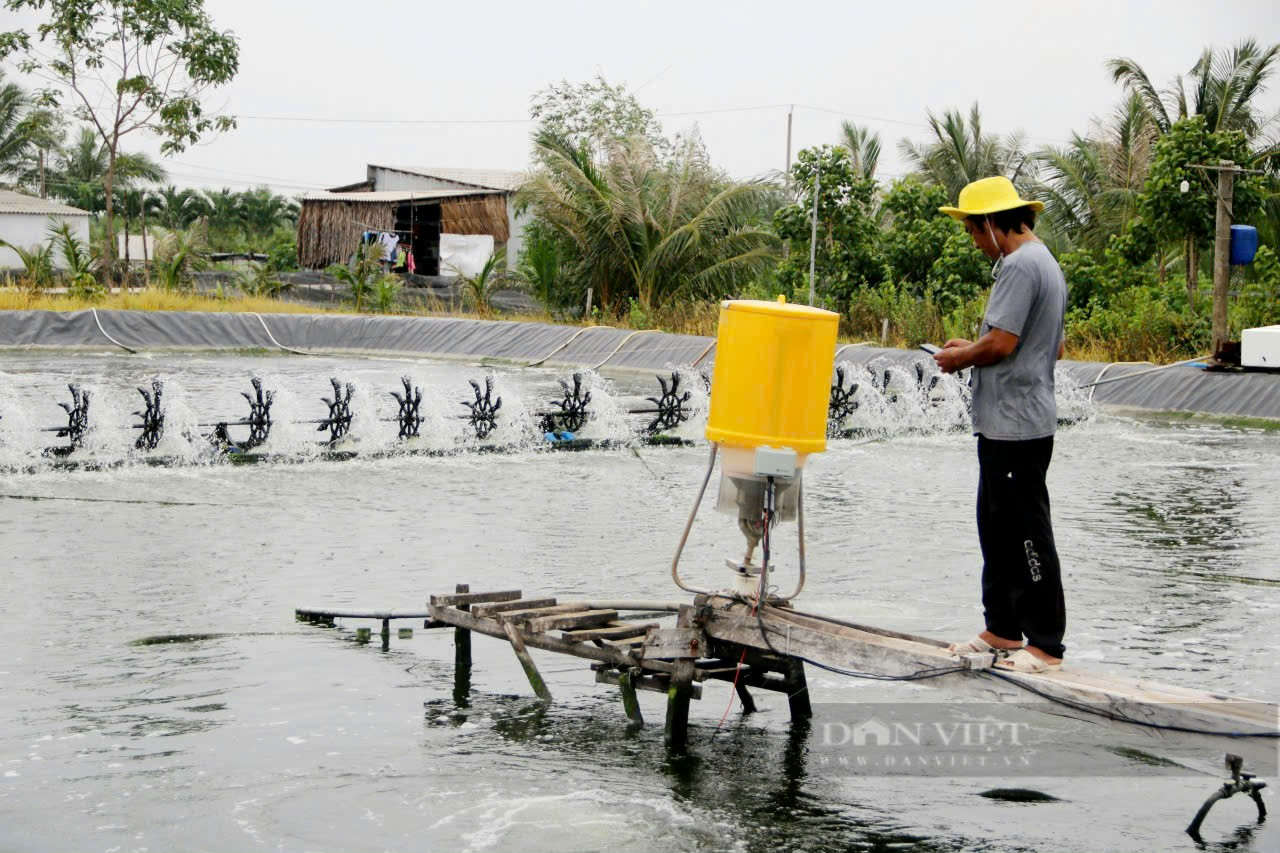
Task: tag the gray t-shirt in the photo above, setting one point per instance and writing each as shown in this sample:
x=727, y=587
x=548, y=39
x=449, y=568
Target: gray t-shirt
x=1013, y=398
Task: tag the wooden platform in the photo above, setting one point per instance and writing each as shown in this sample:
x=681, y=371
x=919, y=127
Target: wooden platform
x=722, y=638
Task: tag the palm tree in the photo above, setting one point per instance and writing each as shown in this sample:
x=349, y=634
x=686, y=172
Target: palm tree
x=1090, y=187
x=81, y=167
x=179, y=208
x=1223, y=87
x=261, y=211
x=961, y=153
x=15, y=132
x=480, y=286
x=649, y=228
x=863, y=146
x=224, y=216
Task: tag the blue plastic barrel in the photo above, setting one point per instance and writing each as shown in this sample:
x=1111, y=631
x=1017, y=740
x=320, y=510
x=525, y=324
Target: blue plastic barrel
x=1244, y=244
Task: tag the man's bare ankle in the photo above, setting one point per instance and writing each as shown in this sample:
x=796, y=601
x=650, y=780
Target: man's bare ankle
x=1000, y=642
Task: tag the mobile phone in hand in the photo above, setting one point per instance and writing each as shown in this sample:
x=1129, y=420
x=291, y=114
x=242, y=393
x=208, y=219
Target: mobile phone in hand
x=930, y=348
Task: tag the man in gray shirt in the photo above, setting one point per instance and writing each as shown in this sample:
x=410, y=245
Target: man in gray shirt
x=1014, y=417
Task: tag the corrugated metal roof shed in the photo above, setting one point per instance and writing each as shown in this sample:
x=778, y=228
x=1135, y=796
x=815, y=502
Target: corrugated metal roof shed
x=506, y=180
x=12, y=202
x=386, y=196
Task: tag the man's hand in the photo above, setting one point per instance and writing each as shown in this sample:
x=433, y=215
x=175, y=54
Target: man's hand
x=958, y=353
x=951, y=358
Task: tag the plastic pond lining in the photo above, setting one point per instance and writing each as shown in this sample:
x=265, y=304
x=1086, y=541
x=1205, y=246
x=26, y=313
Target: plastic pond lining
x=1176, y=389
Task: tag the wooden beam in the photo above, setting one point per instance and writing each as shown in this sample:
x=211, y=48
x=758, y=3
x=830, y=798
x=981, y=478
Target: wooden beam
x=356, y=613
x=617, y=631
x=490, y=610
x=473, y=597
x=535, y=612
x=546, y=642
x=530, y=668
x=652, y=682
x=583, y=619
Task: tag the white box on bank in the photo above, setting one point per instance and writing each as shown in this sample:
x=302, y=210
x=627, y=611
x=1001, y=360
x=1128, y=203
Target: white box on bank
x=1260, y=347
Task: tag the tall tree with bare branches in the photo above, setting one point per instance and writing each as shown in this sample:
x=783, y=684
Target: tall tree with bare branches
x=122, y=66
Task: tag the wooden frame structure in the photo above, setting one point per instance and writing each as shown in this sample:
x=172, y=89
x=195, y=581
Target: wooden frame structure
x=723, y=638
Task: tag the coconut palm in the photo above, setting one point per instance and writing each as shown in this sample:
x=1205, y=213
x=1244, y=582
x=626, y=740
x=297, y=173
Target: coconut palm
x=1090, y=187
x=863, y=146
x=649, y=228
x=960, y=153
x=15, y=131
x=1223, y=86
x=81, y=167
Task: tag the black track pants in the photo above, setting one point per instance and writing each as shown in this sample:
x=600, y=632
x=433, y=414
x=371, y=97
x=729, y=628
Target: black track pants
x=1021, y=576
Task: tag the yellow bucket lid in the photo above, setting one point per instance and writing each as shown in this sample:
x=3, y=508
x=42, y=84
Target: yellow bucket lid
x=781, y=308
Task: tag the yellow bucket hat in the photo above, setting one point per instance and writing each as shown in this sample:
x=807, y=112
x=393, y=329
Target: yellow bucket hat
x=989, y=195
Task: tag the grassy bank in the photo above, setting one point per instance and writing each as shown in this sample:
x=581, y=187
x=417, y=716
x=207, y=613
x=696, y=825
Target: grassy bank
x=153, y=300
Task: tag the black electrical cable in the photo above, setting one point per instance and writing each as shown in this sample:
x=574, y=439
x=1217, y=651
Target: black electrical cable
x=918, y=675
x=935, y=672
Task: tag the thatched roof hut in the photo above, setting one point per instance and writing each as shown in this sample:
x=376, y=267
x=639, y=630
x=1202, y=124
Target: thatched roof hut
x=331, y=223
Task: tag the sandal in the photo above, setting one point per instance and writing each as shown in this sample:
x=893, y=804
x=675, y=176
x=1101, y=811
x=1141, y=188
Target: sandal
x=1025, y=662
x=977, y=646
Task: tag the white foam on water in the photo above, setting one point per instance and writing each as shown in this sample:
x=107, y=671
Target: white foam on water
x=289, y=437
x=608, y=414
x=373, y=419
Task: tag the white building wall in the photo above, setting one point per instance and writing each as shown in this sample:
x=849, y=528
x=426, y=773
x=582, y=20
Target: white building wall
x=390, y=180
x=32, y=229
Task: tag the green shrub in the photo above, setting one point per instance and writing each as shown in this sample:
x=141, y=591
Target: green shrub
x=959, y=274
x=386, y=292
x=1258, y=303
x=913, y=319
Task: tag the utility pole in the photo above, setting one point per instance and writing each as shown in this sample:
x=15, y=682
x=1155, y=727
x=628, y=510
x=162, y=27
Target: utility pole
x=813, y=235
x=787, y=170
x=1225, y=190
x=1222, y=253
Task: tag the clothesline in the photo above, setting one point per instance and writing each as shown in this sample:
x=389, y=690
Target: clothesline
x=368, y=227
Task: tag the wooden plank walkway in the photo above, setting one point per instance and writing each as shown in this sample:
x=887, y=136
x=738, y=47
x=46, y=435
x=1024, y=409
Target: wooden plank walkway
x=722, y=638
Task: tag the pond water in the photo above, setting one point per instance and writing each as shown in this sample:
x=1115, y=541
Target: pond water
x=257, y=732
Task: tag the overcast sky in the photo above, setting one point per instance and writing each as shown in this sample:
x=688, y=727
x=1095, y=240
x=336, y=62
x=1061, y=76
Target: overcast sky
x=449, y=84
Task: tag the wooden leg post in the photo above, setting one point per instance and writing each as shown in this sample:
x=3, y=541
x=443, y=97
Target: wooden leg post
x=526, y=660
x=798, y=692
x=462, y=637
x=744, y=696
x=680, y=690
x=678, y=696
x=630, y=702
x=386, y=634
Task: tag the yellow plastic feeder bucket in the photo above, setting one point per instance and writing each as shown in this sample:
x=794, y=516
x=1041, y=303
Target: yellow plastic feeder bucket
x=772, y=379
